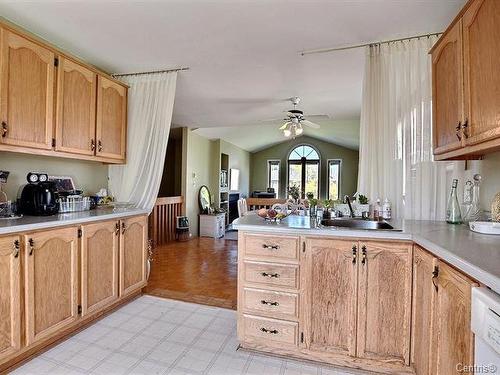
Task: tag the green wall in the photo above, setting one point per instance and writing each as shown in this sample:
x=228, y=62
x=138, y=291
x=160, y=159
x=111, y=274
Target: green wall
x=349, y=171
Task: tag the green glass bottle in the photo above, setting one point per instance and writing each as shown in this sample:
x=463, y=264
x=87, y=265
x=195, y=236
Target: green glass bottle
x=453, y=214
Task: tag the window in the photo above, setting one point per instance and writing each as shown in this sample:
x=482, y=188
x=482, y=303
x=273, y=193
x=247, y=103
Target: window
x=334, y=179
x=273, y=175
x=303, y=170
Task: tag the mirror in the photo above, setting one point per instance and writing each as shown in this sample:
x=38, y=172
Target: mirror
x=204, y=199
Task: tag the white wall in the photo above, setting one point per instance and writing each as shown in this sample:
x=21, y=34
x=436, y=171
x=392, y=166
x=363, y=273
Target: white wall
x=238, y=159
x=87, y=175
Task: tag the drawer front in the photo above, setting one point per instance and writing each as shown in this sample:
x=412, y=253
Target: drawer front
x=274, y=247
x=271, y=274
x=270, y=331
x=271, y=303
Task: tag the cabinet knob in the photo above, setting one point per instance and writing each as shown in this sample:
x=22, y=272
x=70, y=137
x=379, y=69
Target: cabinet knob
x=354, y=253
x=270, y=247
x=435, y=274
x=363, y=255
x=465, y=128
x=99, y=145
x=269, y=303
x=92, y=145
x=270, y=275
x=16, y=249
x=123, y=227
x=5, y=129
x=270, y=331
x=117, y=228
x=458, y=128
x=31, y=245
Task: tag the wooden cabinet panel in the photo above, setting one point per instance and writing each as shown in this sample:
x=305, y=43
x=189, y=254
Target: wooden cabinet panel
x=76, y=108
x=99, y=265
x=452, y=339
x=481, y=36
x=447, y=91
x=10, y=296
x=272, y=274
x=51, y=282
x=423, y=300
x=266, y=331
x=111, y=119
x=27, y=88
x=384, y=302
x=329, y=295
x=133, y=254
x=272, y=247
x=279, y=305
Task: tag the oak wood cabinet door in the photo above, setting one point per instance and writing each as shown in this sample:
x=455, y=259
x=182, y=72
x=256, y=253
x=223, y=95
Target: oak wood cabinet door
x=51, y=282
x=452, y=339
x=328, y=299
x=99, y=265
x=111, y=119
x=384, y=302
x=481, y=36
x=10, y=296
x=423, y=301
x=76, y=108
x=447, y=92
x=133, y=254
x=26, y=92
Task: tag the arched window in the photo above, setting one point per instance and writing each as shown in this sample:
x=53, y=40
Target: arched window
x=303, y=169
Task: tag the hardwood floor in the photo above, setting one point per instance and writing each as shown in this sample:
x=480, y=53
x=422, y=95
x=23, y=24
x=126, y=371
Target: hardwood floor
x=202, y=270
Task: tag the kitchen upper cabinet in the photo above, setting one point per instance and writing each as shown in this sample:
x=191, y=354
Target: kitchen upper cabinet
x=27, y=92
x=51, y=282
x=133, y=254
x=76, y=108
x=111, y=119
x=329, y=293
x=447, y=92
x=384, y=301
x=99, y=265
x=10, y=301
x=452, y=338
x=424, y=265
x=481, y=37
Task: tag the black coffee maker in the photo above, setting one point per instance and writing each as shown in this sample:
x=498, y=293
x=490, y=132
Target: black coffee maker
x=39, y=197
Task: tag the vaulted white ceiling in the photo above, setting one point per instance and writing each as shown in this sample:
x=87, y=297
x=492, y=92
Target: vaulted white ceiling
x=243, y=55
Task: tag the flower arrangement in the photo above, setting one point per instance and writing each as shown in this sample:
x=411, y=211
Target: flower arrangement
x=294, y=192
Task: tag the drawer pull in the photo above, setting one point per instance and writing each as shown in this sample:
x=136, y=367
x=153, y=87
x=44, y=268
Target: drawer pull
x=270, y=331
x=270, y=275
x=271, y=247
x=31, y=246
x=269, y=303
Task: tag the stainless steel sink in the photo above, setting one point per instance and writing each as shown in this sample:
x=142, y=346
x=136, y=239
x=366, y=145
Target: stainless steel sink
x=358, y=224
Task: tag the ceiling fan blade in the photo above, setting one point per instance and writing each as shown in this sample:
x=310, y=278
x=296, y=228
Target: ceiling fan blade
x=310, y=124
x=317, y=117
x=285, y=125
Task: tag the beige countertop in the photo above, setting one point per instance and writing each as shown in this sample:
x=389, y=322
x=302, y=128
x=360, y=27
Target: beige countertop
x=477, y=255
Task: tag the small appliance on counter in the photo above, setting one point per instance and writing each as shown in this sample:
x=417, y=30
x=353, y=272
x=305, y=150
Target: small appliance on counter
x=39, y=197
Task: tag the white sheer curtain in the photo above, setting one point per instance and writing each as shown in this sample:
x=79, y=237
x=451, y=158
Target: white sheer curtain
x=396, y=159
x=150, y=106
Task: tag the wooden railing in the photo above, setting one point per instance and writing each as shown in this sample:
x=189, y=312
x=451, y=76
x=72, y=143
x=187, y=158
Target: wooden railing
x=162, y=221
x=257, y=203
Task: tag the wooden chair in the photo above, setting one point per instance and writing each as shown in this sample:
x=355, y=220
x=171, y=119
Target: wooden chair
x=242, y=207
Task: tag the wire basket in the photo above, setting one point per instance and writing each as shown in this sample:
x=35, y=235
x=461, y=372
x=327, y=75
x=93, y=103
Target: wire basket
x=74, y=204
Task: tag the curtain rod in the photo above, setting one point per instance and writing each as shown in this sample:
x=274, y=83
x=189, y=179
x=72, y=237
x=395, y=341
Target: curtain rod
x=325, y=50
x=150, y=72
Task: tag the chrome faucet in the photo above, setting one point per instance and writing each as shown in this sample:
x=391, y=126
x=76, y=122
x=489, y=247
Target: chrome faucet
x=348, y=201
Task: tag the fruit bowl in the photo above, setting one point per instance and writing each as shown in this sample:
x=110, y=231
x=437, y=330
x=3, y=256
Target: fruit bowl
x=271, y=214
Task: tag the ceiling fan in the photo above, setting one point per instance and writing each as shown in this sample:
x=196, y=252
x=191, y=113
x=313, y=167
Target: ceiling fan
x=295, y=120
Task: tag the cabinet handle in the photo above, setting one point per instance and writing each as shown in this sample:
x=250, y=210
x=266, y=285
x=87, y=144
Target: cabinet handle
x=117, y=228
x=270, y=331
x=32, y=246
x=5, y=129
x=16, y=249
x=354, y=253
x=457, y=128
x=435, y=274
x=271, y=247
x=123, y=227
x=92, y=145
x=363, y=255
x=270, y=275
x=99, y=145
x=269, y=303
x=465, y=128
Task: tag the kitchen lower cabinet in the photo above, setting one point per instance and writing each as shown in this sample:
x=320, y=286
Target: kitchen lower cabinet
x=424, y=265
x=329, y=295
x=99, y=265
x=10, y=296
x=51, y=282
x=133, y=254
x=384, y=301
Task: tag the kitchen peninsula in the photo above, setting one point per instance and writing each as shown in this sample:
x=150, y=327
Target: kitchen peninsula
x=362, y=298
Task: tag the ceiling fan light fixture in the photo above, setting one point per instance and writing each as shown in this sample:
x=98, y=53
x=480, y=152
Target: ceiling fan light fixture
x=287, y=133
x=299, y=130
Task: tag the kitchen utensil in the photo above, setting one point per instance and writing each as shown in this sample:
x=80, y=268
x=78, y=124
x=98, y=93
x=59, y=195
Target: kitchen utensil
x=485, y=227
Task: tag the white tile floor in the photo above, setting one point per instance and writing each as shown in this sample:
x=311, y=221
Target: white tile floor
x=159, y=336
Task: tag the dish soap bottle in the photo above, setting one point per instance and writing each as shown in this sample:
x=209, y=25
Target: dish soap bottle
x=377, y=210
x=386, y=210
x=453, y=214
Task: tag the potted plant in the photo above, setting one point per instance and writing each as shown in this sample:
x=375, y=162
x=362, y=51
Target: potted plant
x=327, y=215
x=294, y=192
